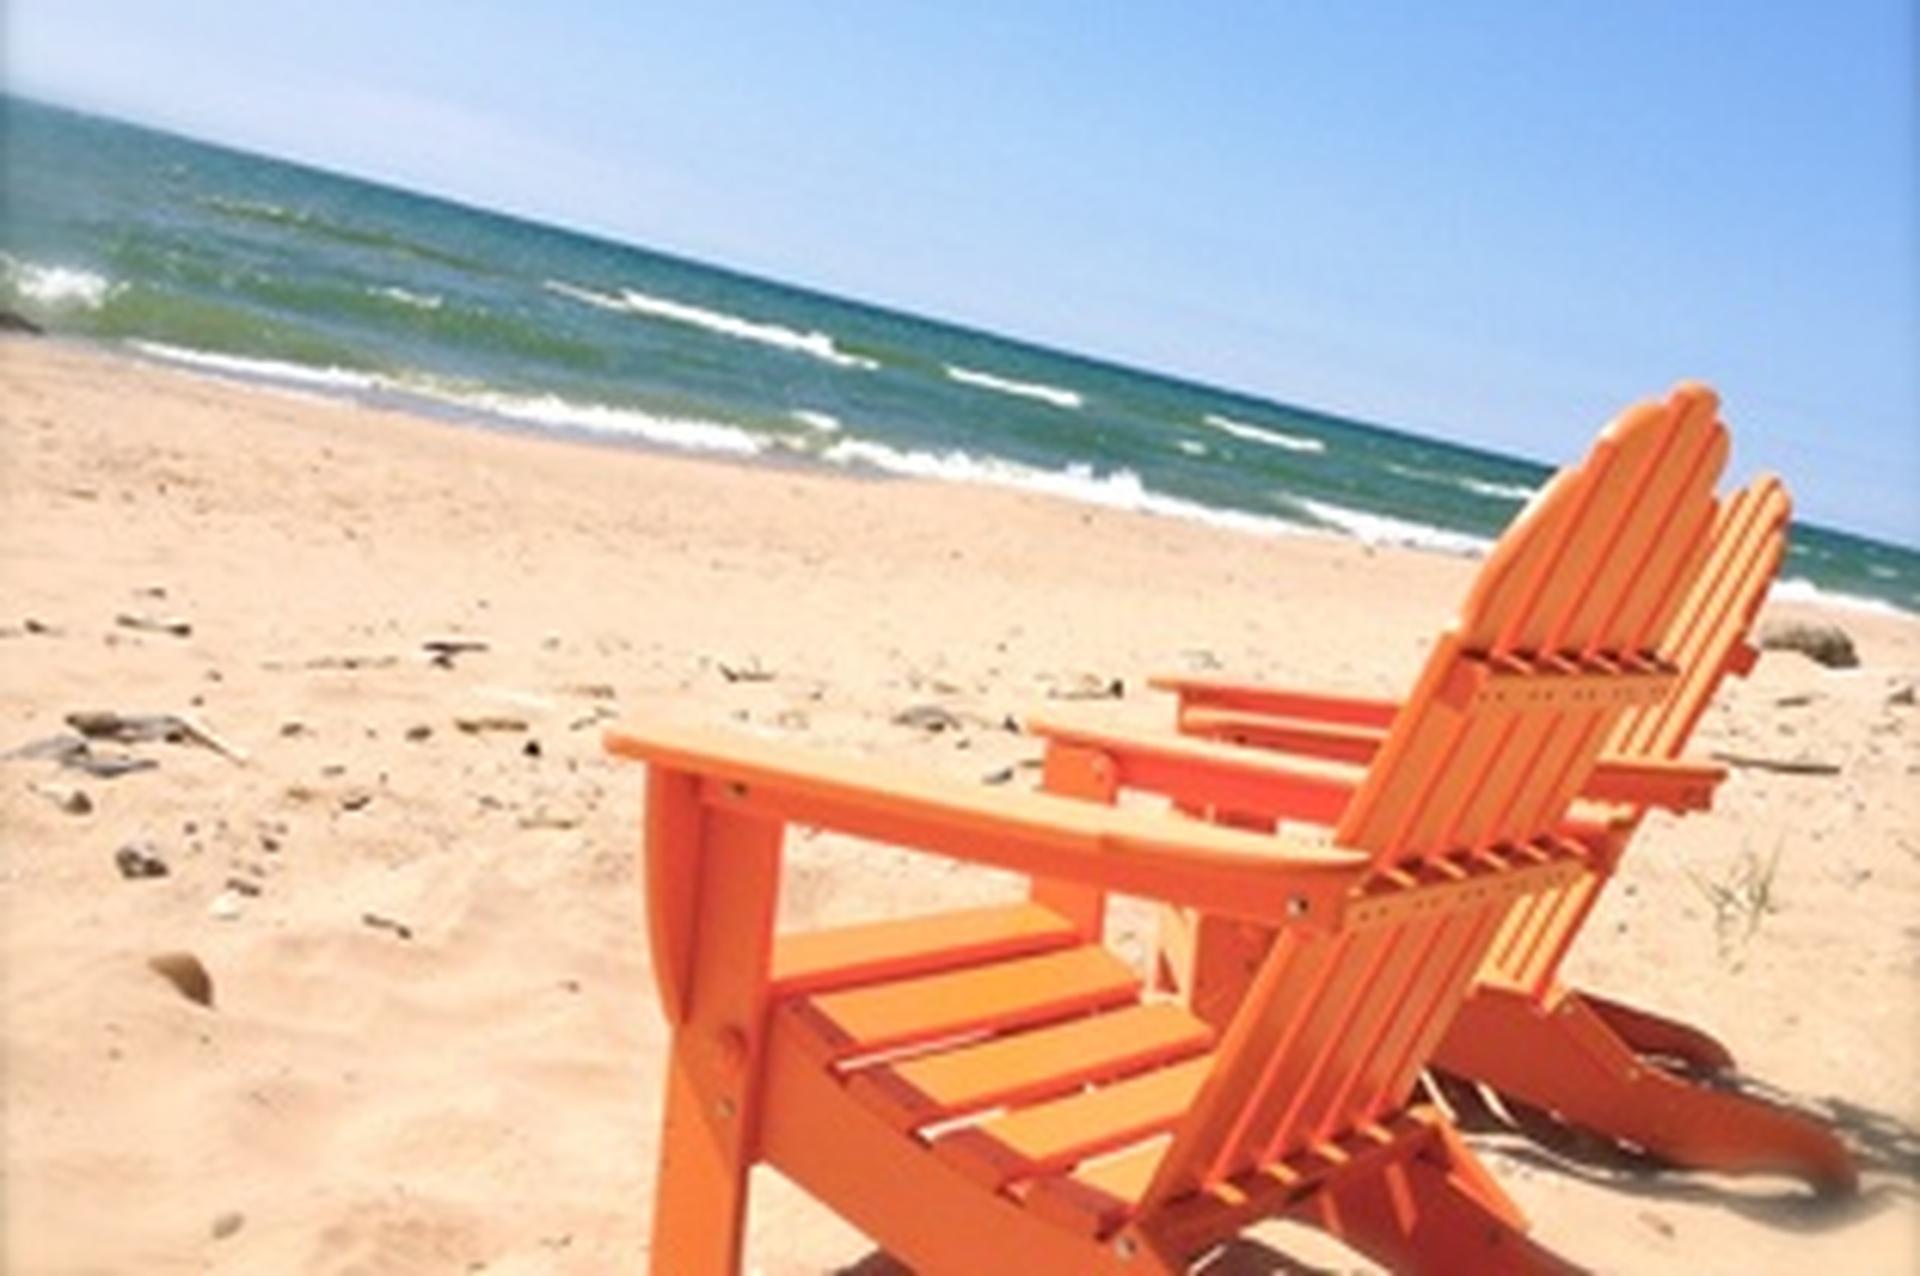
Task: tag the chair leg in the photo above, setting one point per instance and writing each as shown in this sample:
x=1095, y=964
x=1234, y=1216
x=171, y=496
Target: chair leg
x=1435, y=1211
x=1652, y=1034
x=1565, y=1057
x=700, y=1198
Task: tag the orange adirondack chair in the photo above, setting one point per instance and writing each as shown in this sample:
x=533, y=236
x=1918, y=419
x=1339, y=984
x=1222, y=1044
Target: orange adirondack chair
x=1591, y=1061
x=992, y=1089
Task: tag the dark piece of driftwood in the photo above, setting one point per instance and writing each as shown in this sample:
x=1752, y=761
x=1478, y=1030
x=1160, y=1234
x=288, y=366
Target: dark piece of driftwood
x=1785, y=766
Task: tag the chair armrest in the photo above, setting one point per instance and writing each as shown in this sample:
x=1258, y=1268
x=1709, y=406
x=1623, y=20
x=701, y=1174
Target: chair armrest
x=1200, y=773
x=1306, y=737
x=1677, y=785
x=1227, y=872
x=1285, y=702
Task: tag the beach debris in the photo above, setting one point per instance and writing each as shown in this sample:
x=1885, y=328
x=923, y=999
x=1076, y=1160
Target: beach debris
x=1784, y=766
x=349, y=662
x=542, y=818
x=418, y=731
x=476, y=724
x=186, y=973
x=377, y=922
x=531, y=748
x=999, y=775
x=1087, y=686
x=750, y=672
x=1199, y=658
x=1798, y=700
x=225, y=1225
x=70, y=750
x=104, y=766
x=172, y=625
x=11, y=321
x=173, y=728
x=355, y=798
x=442, y=651
x=1822, y=642
x=1903, y=696
x=226, y=906
x=138, y=860
x=292, y=728
x=69, y=798
x=599, y=713
x=927, y=717
x=244, y=886
x=589, y=690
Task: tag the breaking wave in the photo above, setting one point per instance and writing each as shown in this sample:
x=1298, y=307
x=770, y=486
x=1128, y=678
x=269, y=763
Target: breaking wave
x=825, y=422
x=1383, y=529
x=261, y=369
x=1023, y=389
x=57, y=285
x=815, y=343
x=1264, y=434
x=1479, y=487
x=417, y=300
x=1118, y=489
x=690, y=433
x=1801, y=590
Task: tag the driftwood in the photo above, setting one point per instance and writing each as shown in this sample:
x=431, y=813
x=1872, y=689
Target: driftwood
x=155, y=624
x=172, y=728
x=441, y=651
x=1785, y=766
x=744, y=673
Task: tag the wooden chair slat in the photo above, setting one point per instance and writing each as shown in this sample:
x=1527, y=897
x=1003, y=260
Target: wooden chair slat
x=1026, y=1066
x=997, y=996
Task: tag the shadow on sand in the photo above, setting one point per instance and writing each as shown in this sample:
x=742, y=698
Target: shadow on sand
x=1886, y=1150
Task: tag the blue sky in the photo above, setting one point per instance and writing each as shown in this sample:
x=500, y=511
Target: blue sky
x=1491, y=222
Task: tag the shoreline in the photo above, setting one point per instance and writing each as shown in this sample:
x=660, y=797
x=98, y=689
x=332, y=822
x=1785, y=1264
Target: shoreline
x=382, y=393
x=476, y=1072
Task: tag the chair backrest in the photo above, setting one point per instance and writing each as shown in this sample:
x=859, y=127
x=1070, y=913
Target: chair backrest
x=1708, y=636
x=1554, y=644
x=1706, y=640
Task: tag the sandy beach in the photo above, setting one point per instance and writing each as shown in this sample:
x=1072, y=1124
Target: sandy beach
x=432, y=1044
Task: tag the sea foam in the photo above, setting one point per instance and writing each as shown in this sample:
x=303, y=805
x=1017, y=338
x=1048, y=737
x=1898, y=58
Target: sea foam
x=815, y=343
x=1383, y=529
x=1479, y=487
x=57, y=285
x=417, y=300
x=1024, y=389
x=1264, y=434
x=1116, y=489
x=689, y=433
x=1801, y=590
x=261, y=369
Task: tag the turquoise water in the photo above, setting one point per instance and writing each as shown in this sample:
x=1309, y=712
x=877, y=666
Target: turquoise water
x=252, y=267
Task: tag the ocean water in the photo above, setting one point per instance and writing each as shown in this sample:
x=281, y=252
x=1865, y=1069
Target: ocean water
x=255, y=268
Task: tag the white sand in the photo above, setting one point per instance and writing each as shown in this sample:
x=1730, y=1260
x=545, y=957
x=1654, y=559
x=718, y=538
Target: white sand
x=484, y=1094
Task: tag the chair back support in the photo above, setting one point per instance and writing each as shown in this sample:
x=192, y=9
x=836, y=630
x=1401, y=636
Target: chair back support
x=1708, y=636
x=1706, y=640
x=1460, y=807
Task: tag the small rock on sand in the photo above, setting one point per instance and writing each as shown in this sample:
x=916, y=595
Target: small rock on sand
x=72, y=800
x=227, y=1224
x=186, y=973
x=136, y=860
x=1822, y=642
x=172, y=625
x=480, y=722
x=927, y=717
